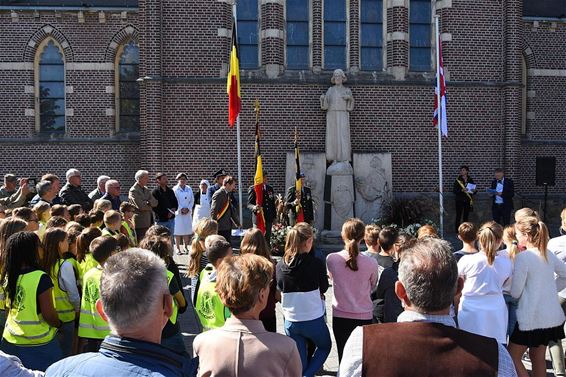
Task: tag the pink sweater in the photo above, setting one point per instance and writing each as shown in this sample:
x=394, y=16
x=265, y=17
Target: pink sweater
x=352, y=289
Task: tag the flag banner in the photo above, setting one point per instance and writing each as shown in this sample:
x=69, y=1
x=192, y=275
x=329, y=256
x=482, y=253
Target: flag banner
x=298, y=182
x=440, y=87
x=258, y=179
x=233, y=83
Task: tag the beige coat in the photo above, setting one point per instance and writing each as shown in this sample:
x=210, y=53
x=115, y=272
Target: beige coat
x=141, y=198
x=245, y=348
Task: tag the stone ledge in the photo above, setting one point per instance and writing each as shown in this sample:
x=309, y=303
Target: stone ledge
x=272, y=33
x=397, y=3
x=441, y=4
x=397, y=36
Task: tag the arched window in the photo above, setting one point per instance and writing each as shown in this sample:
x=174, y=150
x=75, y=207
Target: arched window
x=420, y=29
x=297, y=15
x=248, y=33
x=371, y=35
x=50, y=84
x=128, y=91
x=335, y=34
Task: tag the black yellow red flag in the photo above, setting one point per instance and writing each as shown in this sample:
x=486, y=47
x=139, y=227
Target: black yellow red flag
x=233, y=82
x=298, y=181
x=258, y=179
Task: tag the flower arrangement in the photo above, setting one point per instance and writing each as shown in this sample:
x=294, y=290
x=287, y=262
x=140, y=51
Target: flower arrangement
x=279, y=235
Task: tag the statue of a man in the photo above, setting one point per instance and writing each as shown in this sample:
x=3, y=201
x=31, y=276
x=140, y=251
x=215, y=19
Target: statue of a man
x=338, y=102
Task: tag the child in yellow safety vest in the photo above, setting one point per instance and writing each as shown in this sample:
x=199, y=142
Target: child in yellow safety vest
x=84, y=256
x=128, y=228
x=112, y=223
x=92, y=327
x=210, y=310
x=31, y=326
x=65, y=292
x=171, y=334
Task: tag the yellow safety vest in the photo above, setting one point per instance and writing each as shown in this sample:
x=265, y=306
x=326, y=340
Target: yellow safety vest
x=86, y=265
x=210, y=310
x=24, y=325
x=91, y=324
x=64, y=307
x=174, y=315
x=132, y=237
x=108, y=233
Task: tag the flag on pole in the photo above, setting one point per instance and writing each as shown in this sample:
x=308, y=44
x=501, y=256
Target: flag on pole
x=233, y=84
x=258, y=179
x=440, y=87
x=298, y=181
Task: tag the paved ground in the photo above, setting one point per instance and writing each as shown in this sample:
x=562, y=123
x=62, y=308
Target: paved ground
x=190, y=326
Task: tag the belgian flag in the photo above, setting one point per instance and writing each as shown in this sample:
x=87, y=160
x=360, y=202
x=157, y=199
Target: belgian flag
x=298, y=181
x=233, y=84
x=258, y=179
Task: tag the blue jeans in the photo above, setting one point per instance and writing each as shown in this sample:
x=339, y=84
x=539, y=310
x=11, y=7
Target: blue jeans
x=316, y=331
x=169, y=224
x=512, y=304
x=35, y=357
x=65, y=337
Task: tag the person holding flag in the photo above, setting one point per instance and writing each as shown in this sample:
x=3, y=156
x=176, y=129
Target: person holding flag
x=261, y=198
x=299, y=198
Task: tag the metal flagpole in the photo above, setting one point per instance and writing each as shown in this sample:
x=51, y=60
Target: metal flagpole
x=439, y=126
x=238, y=140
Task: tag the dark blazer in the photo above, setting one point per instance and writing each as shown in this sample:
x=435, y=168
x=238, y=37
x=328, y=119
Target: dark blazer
x=508, y=192
x=219, y=199
x=306, y=202
x=166, y=200
x=269, y=210
x=75, y=195
x=459, y=193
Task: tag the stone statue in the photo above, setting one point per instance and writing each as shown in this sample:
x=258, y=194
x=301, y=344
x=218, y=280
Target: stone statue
x=338, y=102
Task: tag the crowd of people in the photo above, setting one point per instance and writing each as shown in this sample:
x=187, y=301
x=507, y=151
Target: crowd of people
x=90, y=288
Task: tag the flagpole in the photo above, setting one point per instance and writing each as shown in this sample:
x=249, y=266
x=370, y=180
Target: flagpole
x=439, y=126
x=238, y=141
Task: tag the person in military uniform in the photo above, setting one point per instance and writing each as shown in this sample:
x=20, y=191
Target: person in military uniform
x=304, y=198
x=218, y=180
x=269, y=210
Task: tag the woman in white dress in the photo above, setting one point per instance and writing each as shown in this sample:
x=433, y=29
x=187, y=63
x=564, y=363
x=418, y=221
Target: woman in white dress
x=202, y=207
x=183, y=216
x=482, y=309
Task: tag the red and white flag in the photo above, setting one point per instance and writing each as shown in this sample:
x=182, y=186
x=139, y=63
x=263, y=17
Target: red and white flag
x=440, y=87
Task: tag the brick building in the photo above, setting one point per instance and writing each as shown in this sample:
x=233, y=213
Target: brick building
x=120, y=85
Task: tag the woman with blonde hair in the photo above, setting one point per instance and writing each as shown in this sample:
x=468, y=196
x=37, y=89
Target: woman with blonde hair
x=482, y=309
x=197, y=258
x=302, y=280
x=243, y=283
x=254, y=243
x=354, y=276
x=540, y=318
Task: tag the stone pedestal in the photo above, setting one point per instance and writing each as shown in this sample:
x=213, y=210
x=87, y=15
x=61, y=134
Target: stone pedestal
x=313, y=165
x=342, y=194
x=373, y=178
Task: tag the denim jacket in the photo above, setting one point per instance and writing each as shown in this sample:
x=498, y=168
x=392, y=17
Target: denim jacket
x=125, y=357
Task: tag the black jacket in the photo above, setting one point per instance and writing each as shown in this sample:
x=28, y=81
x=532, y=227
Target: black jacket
x=75, y=195
x=269, y=210
x=306, y=203
x=508, y=192
x=459, y=192
x=305, y=273
x=166, y=199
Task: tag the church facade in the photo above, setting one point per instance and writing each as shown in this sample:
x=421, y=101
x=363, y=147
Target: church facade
x=116, y=86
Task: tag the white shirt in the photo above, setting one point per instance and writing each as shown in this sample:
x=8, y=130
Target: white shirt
x=534, y=286
x=351, y=365
x=499, y=188
x=558, y=247
x=480, y=277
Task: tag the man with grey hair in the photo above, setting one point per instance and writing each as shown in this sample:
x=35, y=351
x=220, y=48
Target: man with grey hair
x=45, y=191
x=143, y=201
x=113, y=193
x=100, y=189
x=135, y=300
x=72, y=193
x=425, y=335
x=10, y=195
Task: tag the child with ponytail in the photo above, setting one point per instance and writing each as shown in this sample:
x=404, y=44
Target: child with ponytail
x=354, y=276
x=482, y=309
x=197, y=259
x=540, y=318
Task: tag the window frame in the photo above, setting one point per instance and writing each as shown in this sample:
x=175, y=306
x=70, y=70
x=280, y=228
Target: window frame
x=383, y=37
x=37, y=81
x=433, y=43
x=310, y=43
x=259, y=39
x=117, y=81
x=347, y=36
